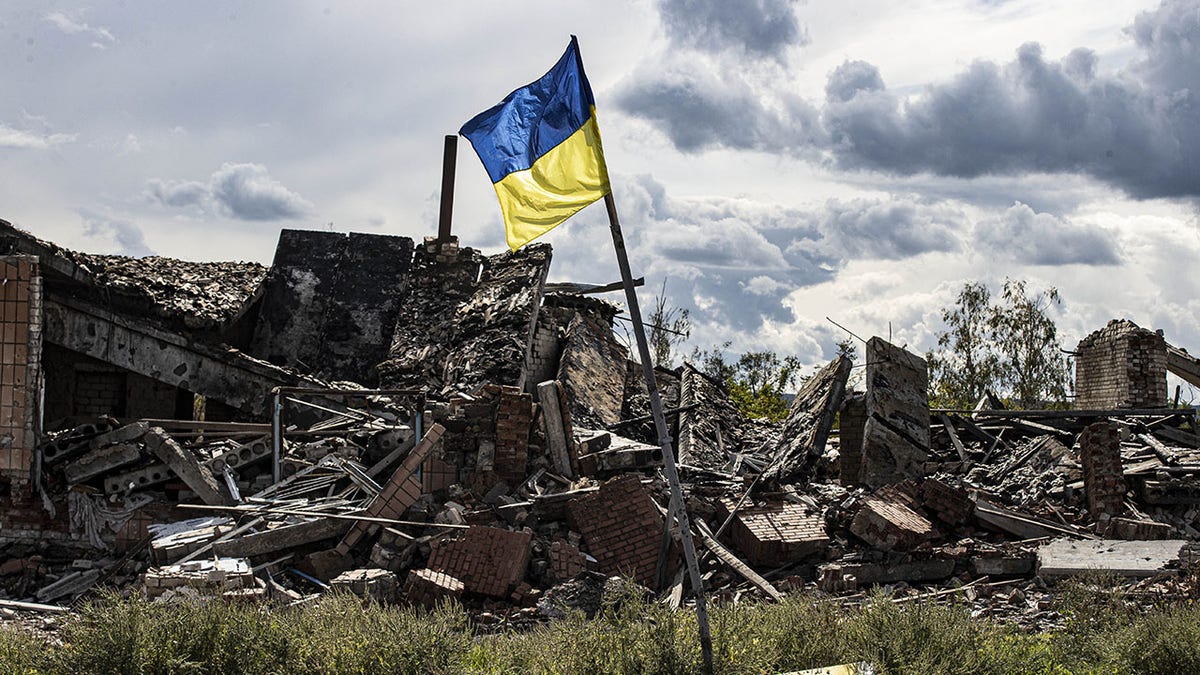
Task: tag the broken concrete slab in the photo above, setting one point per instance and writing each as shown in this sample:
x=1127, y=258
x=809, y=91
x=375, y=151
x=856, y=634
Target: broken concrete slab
x=806, y=429
x=1065, y=557
x=100, y=462
x=278, y=539
x=559, y=433
x=896, y=434
x=187, y=467
x=592, y=372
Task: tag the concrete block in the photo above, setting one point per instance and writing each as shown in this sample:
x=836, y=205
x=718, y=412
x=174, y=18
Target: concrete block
x=185, y=465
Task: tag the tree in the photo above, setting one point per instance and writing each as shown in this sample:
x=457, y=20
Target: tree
x=1009, y=348
x=757, y=381
x=669, y=326
x=1032, y=366
x=966, y=363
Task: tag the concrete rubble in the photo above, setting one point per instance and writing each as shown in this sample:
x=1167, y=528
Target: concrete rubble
x=503, y=457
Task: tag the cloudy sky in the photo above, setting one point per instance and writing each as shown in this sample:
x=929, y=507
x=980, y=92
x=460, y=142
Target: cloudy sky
x=777, y=162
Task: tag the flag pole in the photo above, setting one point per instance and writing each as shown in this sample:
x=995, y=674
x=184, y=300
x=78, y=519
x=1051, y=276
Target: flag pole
x=677, y=509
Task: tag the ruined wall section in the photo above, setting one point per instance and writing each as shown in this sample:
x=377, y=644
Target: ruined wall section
x=466, y=320
x=1121, y=366
x=806, y=429
x=592, y=371
x=495, y=326
x=331, y=301
x=896, y=433
x=20, y=359
x=710, y=429
x=81, y=386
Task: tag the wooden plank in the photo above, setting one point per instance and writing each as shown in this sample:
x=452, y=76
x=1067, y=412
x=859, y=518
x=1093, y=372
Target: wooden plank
x=558, y=433
x=958, y=446
x=726, y=556
x=1021, y=525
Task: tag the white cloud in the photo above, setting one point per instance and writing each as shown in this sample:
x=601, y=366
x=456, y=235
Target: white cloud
x=17, y=138
x=73, y=25
x=242, y=191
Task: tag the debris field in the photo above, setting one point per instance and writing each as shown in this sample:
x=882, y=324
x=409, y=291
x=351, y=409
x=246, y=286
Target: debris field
x=417, y=423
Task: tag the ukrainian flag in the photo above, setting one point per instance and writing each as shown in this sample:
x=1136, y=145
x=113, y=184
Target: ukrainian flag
x=541, y=148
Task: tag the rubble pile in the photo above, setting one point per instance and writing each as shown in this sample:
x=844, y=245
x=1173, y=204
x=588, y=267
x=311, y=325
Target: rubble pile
x=513, y=465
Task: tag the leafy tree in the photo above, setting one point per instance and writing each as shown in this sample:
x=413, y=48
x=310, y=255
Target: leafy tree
x=966, y=363
x=757, y=381
x=1010, y=348
x=1032, y=367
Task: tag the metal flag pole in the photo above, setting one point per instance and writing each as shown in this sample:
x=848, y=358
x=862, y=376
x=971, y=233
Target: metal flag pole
x=677, y=510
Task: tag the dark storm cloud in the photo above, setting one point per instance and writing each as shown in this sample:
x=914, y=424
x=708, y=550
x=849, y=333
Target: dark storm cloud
x=1024, y=236
x=1139, y=130
x=242, y=191
x=891, y=229
x=764, y=28
x=701, y=103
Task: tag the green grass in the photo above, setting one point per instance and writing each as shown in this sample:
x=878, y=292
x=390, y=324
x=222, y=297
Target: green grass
x=1105, y=633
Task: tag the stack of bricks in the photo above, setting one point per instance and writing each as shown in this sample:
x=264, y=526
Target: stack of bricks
x=210, y=576
x=851, y=420
x=368, y=584
x=621, y=527
x=427, y=588
x=1121, y=366
x=445, y=252
x=488, y=560
x=20, y=359
x=773, y=534
x=890, y=526
x=1103, y=474
x=951, y=505
x=1137, y=530
x=401, y=491
x=566, y=560
x=514, y=414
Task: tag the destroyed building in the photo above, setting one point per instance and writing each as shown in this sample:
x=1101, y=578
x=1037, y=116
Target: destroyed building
x=414, y=422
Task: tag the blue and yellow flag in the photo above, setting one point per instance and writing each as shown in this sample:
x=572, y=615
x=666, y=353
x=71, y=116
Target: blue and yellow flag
x=541, y=148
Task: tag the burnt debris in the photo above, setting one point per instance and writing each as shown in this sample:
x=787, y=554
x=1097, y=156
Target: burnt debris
x=417, y=422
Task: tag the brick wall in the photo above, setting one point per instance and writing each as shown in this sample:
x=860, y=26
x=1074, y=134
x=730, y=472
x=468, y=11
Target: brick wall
x=488, y=560
x=20, y=373
x=514, y=413
x=773, y=534
x=566, y=560
x=621, y=527
x=1103, y=475
x=1121, y=366
x=78, y=385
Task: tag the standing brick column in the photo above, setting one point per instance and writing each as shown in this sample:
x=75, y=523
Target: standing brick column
x=514, y=413
x=20, y=369
x=1103, y=475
